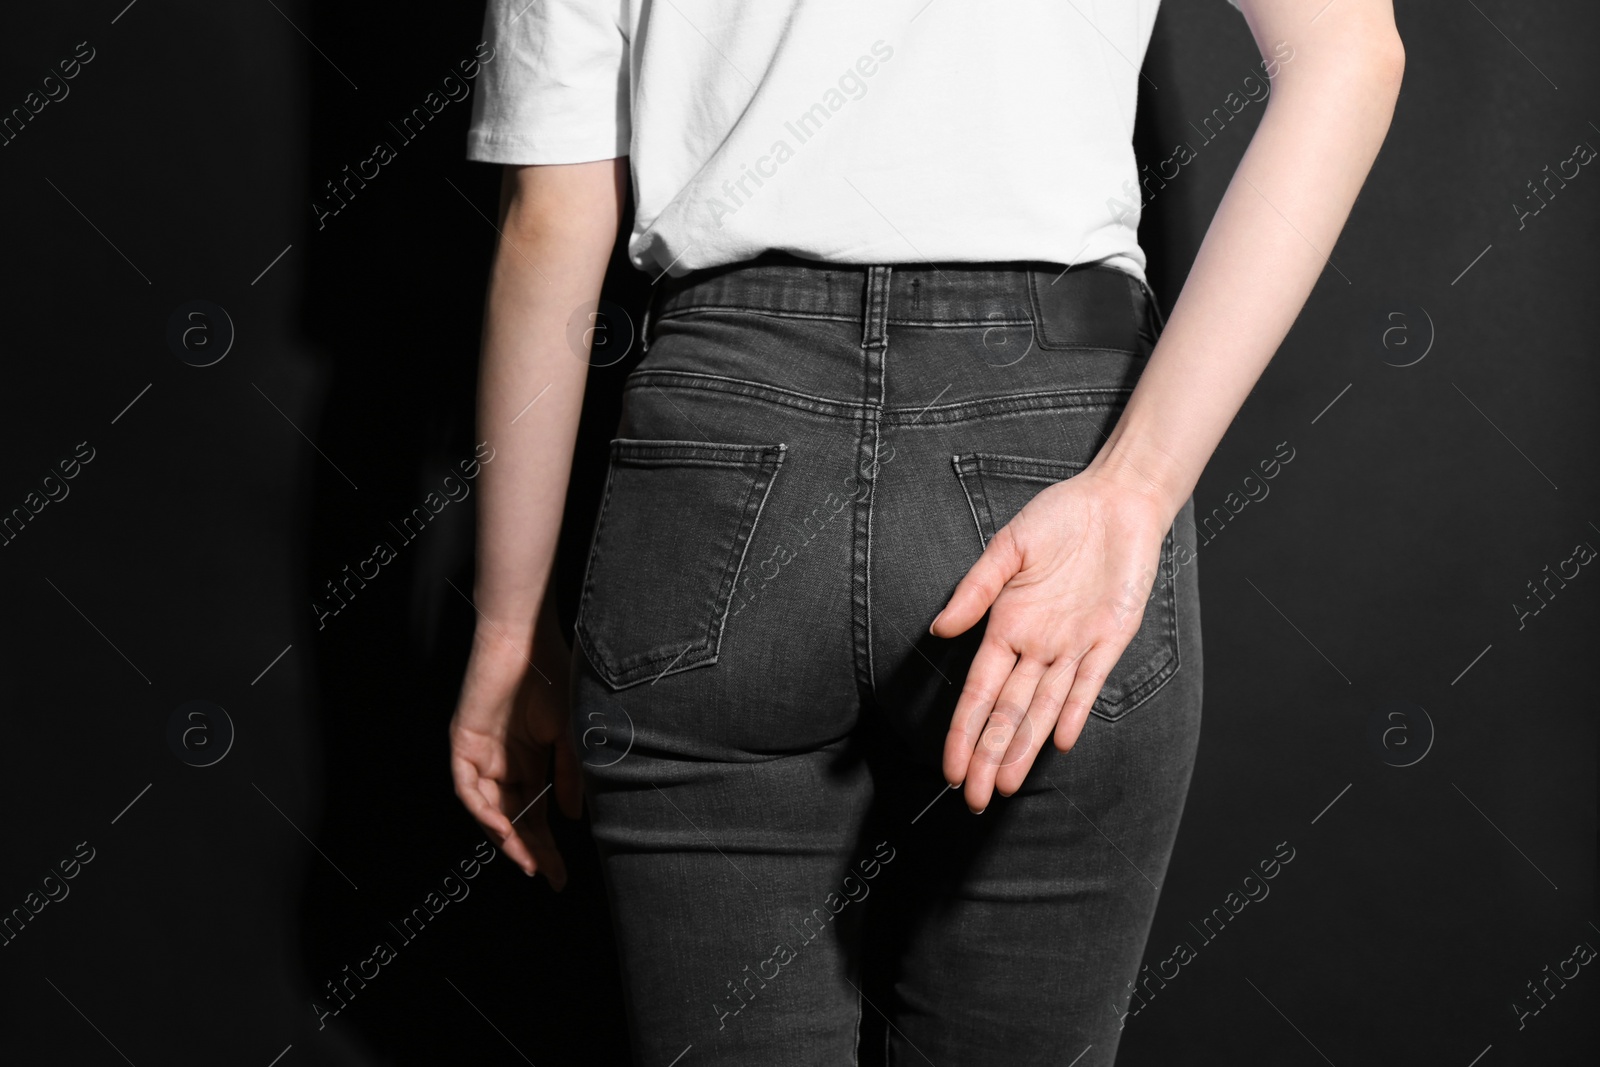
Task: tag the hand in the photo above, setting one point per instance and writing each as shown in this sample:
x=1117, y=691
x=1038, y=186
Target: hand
x=512, y=713
x=1065, y=583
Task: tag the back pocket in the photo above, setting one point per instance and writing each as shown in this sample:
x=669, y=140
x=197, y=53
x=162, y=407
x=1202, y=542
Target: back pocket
x=674, y=524
x=997, y=487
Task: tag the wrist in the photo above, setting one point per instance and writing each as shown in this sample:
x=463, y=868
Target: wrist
x=1149, y=476
x=531, y=639
x=507, y=618
x=493, y=641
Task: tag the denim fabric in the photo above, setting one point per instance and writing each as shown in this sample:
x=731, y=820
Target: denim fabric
x=810, y=457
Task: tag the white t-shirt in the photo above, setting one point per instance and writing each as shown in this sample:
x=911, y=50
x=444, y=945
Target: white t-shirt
x=852, y=131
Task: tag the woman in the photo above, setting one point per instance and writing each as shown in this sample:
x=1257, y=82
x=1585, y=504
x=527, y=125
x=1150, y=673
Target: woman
x=897, y=502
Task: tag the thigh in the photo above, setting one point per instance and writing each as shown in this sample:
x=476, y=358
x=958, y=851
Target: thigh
x=1019, y=931
x=735, y=896
x=715, y=706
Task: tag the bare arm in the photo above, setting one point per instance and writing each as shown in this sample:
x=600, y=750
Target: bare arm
x=559, y=224
x=1268, y=243
x=1057, y=582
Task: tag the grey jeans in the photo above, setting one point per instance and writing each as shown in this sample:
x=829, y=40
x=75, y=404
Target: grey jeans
x=809, y=459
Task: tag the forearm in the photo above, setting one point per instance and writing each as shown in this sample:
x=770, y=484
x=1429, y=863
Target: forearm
x=1268, y=243
x=559, y=226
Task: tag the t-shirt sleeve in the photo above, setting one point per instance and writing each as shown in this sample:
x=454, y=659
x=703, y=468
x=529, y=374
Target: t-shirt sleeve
x=555, y=89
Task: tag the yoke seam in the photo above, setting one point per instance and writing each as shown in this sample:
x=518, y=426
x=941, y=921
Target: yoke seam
x=946, y=413
x=765, y=312
x=888, y=320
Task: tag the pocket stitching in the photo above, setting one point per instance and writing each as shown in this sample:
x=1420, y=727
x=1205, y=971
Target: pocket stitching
x=772, y=457
x=765, y=460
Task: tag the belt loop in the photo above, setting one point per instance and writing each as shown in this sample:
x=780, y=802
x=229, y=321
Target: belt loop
x=875, y=316
x=1152, y=312
x=644, y=322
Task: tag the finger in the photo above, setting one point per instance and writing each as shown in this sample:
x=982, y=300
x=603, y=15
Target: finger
x=1048, y=698
x=569, y=779
x=978, y=588
x=480, y=804
x=532, y=819
x=485, y=807
x=988, y=673
x=1008, y=717
x=521, y=806
x=505, y=799
x=531, y=837
x=1086, y=686
x=517, y=799
x=535, y=833
x=516, y=850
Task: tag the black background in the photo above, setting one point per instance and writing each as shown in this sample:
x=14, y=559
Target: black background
x=1383, y=567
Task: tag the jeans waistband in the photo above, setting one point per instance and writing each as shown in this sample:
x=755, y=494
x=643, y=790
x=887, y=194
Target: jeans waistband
x=1089, y=306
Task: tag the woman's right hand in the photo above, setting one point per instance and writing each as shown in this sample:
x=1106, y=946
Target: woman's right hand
x=511, y=715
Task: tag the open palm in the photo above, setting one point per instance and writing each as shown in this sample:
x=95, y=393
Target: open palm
x=1064, y=583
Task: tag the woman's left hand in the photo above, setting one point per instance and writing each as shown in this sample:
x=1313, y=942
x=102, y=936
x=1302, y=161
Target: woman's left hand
x=1065, y=583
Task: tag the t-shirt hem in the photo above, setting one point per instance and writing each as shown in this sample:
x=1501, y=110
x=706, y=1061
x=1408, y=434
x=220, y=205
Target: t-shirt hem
x=523, y=151
x=641, y=260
